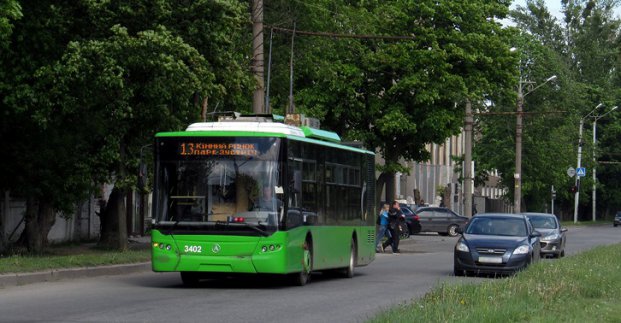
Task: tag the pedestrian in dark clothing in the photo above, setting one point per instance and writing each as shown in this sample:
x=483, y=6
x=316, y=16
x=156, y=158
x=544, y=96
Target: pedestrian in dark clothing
x=394, y=216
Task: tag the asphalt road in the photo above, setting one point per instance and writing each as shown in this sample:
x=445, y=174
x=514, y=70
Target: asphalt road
x=156, y=297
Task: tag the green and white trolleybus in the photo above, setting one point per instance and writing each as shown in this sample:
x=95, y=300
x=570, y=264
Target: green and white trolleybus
x=252, y=195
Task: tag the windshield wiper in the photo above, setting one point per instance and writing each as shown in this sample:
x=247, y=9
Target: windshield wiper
x=245, y=225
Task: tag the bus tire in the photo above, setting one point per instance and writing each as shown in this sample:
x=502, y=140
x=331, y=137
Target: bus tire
x=348, y=272
x=303, y=277
x=189, y=279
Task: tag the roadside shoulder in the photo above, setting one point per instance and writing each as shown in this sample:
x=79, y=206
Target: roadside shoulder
x=18, y=279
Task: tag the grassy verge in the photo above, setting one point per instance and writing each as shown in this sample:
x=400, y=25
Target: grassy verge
x=71, y=257
x=582, y=288
x=586, y=223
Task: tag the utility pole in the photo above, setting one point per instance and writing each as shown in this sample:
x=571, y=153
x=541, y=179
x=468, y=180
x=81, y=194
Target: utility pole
x=291, y=107
x=517, y=193
x=468, y=160
x=577, y=193
x=258, y=98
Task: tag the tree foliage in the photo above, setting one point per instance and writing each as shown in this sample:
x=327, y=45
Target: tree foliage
x=580, y=51
x=92, y=82
x=396, y=96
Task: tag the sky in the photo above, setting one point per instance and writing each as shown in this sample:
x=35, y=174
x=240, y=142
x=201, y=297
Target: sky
x=554, y=6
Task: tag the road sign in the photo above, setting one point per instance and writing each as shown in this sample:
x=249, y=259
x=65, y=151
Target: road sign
x=571, y=172
x=581, y=171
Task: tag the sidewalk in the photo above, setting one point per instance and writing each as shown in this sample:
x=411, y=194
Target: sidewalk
x=18, y=279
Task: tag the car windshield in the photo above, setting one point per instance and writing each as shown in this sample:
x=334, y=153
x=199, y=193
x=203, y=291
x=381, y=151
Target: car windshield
x=542, y=222
x=497, y=226
x=406, y=211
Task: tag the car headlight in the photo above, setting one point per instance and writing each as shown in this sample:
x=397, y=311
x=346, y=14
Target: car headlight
x=552, y=236
x=461, y=246
x=521, y=250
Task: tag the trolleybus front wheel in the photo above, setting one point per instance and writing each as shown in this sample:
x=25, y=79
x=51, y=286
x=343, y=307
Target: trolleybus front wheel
x=303, y=277
x=189, y=279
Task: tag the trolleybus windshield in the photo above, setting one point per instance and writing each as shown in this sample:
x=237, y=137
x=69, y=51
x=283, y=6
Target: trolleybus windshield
x=219, y=184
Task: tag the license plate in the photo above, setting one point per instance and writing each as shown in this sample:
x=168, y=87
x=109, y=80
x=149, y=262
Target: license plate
x=490, y=260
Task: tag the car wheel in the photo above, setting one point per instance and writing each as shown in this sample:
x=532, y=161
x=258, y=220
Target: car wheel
x=562, y=254
x=459, y=272
x=615, y=225
x=404, y=231
x=452, y=230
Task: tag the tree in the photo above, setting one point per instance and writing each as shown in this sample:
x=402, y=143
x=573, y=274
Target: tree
x=95, y=81
x=10, y=10
x=398, y=96
x=571, y=52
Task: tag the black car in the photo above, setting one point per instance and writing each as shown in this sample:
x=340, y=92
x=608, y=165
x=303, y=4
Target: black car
x=411, y=220
x=617, y=219
x=497, y=243
x=441, y=220
x=553, y=235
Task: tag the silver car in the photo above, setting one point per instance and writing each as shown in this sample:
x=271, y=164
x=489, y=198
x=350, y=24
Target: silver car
x=553, y=235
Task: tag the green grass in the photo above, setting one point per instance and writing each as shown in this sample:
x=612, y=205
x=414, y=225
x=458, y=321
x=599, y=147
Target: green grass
x=71, y=257
x=586, y=223
x=582, y=288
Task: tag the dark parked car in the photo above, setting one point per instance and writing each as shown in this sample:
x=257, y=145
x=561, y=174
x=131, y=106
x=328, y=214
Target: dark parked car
x=553, y=236
x=617, y=219
x=497, y=243
x=411, y=220
x=440, y=220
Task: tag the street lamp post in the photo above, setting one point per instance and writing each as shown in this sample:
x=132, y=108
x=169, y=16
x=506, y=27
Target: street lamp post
x=595, y=118
x=517, y=196
x=577, y=185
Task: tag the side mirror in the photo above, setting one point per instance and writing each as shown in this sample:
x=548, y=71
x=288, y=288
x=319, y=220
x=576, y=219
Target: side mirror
x=310, y=218
x=563, y=229
x=535, y=234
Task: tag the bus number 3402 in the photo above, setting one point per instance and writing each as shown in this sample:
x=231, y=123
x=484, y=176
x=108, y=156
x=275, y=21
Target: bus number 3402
x=193, y=249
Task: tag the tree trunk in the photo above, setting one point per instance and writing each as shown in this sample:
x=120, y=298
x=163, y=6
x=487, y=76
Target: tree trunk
x=379, y=185
x=391, y=159
x=113, y=226
x=38, y=221
x=4, y=215
x=390, y=187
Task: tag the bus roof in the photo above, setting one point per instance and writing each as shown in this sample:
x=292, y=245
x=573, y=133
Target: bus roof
x=261, y=129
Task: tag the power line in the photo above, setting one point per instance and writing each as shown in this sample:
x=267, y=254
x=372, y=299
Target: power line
x=515, y=113
x=335, y=35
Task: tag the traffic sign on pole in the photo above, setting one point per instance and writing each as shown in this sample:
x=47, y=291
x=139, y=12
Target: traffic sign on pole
x=571, y=172
x=581, y=171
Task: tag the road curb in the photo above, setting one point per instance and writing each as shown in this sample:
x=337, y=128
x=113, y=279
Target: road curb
x=18, y=279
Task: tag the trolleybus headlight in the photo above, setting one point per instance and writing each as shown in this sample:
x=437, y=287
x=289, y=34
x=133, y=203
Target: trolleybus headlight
x=161, y=246
x=156, y=245
x=264, y=248
x=272, y=247
x=168, y=247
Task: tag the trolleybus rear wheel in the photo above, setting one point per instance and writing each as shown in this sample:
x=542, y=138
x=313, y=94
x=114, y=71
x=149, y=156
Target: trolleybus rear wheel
x=349, y=270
